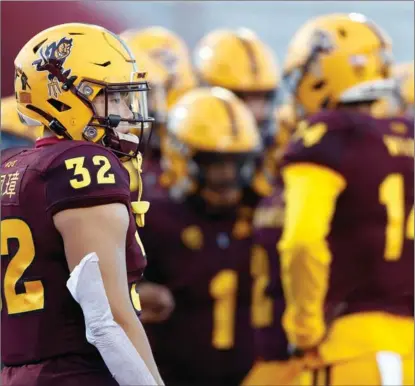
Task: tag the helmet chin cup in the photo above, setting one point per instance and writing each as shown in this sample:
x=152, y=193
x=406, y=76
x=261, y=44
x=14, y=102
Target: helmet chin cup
x=125, y=146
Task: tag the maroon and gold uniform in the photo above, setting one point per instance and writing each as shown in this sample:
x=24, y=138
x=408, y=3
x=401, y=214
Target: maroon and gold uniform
x=347, y=249
x=43, y=323
x=205, y=262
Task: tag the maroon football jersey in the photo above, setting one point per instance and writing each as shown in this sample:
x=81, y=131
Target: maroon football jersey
x=39, y=317
x=269, y=337
x=371, y=235
x=208, y=338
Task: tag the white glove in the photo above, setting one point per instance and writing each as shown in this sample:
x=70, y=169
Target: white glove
x=122, y=359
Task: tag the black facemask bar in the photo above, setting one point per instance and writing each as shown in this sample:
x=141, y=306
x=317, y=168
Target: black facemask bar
x=135, y=107
x=244, y=164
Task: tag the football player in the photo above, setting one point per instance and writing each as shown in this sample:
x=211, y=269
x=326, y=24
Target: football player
x=65, y=208
x=241, y=62
x=198, y=239
x=273, y=365
x=13, y=132
x=170, y=57
x=347, y=247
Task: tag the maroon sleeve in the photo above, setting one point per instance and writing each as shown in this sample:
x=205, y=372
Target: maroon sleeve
x=83, y=176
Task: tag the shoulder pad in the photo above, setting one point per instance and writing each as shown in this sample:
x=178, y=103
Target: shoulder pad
x=321, y=139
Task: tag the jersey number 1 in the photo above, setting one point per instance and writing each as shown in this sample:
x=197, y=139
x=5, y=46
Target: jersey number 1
x=391, y=194
x=224, y=291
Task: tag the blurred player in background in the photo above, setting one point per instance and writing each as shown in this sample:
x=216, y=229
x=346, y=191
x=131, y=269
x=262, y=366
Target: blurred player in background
x=347, y=246
x=170, y=56
x=241, y=62
x=273, y=365
x=53, y=198
x=198, y=240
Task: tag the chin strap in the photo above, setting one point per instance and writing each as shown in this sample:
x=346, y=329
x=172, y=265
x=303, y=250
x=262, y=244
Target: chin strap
x=140, y=208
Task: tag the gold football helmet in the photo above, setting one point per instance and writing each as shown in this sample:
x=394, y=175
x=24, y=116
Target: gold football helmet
x=241, y=62
x=208, y=126
x=335, y=59
x=60, y=72
x=169, y=51
x=11, y=123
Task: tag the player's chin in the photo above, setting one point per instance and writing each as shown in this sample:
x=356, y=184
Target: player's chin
x=124, y=128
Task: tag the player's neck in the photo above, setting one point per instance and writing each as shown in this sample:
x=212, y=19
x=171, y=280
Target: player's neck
x=47, y=134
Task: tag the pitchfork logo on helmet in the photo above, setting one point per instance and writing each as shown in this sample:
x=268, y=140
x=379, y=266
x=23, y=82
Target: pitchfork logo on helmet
x=54, y=55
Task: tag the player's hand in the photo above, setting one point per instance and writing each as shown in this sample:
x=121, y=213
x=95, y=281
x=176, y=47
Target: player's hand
x=157, y=302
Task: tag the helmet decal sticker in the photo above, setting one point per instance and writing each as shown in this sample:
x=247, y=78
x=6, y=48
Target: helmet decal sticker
x=52, y=60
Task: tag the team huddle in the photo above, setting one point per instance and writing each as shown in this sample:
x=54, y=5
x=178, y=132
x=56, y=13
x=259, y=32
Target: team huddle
x=184, y=222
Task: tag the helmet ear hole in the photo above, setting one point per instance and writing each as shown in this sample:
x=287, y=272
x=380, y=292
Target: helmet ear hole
x=342, y=32
x=58, y=105
x=319, y=85
x=325, y=102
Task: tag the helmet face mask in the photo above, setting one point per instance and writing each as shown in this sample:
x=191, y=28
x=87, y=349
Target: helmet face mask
x=123, y=110
x=80, y=81
x=221, y=178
